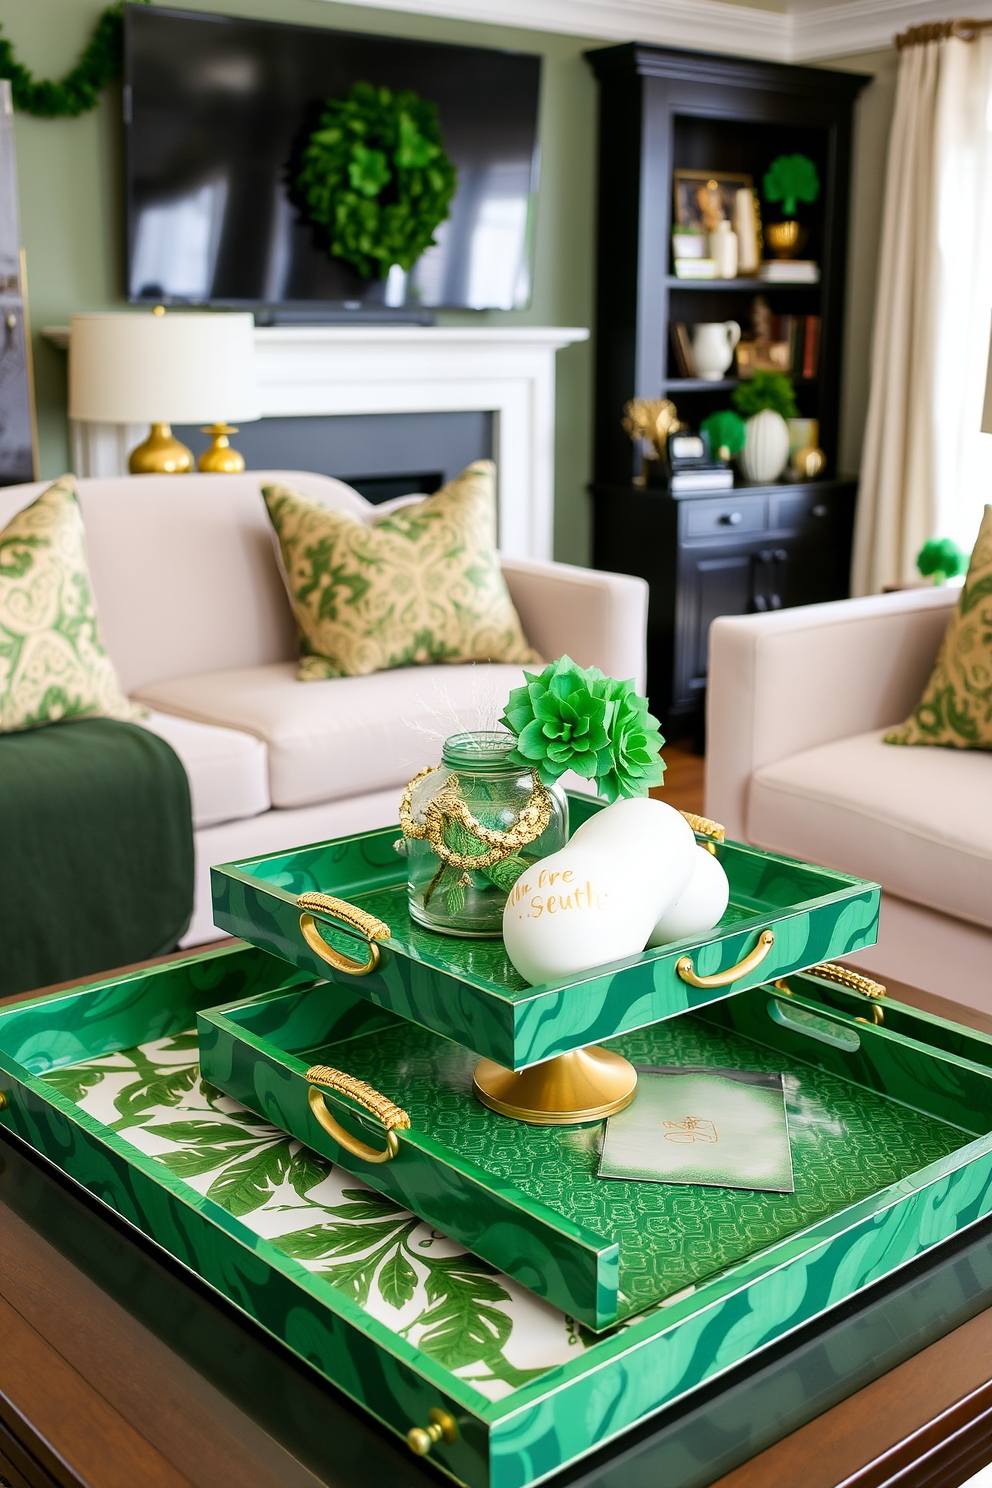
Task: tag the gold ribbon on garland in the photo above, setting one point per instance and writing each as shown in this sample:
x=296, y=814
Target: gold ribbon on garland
x=79, y=91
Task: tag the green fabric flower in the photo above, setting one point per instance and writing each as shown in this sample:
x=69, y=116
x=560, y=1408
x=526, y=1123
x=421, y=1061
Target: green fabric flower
x=560, y=722
x=635, y=745
x=574, y=718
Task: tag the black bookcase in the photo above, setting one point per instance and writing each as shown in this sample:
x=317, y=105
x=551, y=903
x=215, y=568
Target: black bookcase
x=662, y=110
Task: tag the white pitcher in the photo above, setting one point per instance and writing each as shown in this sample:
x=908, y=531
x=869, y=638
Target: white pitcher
x=713, y=343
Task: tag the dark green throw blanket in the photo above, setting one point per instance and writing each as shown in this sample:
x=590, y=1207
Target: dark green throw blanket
x=96, y=850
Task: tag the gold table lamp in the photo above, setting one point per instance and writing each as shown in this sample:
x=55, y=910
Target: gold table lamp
x=187, y=367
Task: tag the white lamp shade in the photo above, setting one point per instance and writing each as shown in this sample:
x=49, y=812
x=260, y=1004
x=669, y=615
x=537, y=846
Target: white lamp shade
x=187, y=368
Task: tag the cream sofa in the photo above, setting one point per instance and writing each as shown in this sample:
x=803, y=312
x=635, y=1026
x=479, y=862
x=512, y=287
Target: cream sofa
x=196, y=619
x=798, y=701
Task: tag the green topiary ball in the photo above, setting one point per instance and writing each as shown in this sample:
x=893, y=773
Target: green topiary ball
x=726, y=432
x=942, y=558
x=376, y=175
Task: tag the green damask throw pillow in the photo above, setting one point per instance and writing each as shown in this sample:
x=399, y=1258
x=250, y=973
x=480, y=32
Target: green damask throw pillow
x=415, y=585
x=956, y=707
x=53, y=664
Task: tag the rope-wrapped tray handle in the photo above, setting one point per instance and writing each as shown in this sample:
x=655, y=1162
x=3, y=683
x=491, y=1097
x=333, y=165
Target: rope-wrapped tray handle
x=322, y=1077
x=348, y=914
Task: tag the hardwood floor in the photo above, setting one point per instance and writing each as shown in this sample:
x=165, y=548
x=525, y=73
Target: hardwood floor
x=683, y=787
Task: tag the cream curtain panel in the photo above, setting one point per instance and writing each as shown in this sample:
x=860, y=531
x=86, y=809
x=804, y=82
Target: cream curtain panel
x=926, y=468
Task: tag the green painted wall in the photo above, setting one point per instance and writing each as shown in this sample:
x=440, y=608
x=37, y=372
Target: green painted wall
x=70, y=191
x=70, y=188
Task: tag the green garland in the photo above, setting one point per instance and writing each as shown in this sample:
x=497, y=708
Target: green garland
x=376, y=175
x=79, y=91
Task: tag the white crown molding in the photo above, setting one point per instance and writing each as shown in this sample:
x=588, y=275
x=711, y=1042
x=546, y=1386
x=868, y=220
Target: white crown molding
x=869, y=25
x=698, y=25
x=807, y=33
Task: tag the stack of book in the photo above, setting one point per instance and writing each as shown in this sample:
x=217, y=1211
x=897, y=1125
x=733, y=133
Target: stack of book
x=789, y=271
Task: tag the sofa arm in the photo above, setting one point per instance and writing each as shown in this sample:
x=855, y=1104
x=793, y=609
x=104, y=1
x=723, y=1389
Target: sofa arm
x=784, y=682
x=598, y=619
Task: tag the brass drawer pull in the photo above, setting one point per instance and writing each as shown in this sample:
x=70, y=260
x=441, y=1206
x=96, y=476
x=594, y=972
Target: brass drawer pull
x=420, y=1439
x=380, y=1106
x=753, y=958
x=374, y=930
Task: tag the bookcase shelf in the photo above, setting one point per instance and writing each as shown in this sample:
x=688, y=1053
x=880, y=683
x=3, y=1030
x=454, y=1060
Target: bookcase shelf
x=660, y=111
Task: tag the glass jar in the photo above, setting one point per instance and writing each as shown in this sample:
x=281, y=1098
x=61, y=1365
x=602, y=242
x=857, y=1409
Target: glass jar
x=476, y=805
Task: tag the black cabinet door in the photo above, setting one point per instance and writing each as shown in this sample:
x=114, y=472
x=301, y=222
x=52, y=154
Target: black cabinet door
x=712, y=581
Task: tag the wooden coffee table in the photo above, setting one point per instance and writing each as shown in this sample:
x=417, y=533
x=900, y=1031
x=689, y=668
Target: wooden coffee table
x=119, y=1370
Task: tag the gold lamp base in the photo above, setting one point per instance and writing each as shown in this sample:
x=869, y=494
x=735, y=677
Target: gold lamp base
x=585, y=1085
x=160, y=454
x=220, y=458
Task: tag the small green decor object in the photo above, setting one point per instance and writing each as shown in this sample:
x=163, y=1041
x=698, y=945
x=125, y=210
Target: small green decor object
x=79, y=91
x=574, y=718
x=791, y=179
x=376, y=175
x=726, y=433
x=766, y=390
x=942, y=559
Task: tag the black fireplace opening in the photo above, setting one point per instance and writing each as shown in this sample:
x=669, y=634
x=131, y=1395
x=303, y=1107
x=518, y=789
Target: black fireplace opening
x=383, y=455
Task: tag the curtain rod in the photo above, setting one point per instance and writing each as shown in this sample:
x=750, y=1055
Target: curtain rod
x=963, y=30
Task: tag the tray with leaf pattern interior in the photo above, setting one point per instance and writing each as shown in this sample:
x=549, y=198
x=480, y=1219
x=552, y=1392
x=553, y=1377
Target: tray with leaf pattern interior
x=502, y=1387
x=783, y=915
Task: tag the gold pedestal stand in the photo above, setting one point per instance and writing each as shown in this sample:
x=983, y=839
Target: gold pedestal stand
x=160, y=454
x=220, y=458
x=585, y=1085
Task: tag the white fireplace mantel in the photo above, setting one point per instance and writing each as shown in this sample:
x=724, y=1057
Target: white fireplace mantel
x=508, y=371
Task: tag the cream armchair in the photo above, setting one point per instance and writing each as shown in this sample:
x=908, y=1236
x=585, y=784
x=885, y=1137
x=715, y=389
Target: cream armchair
x=797, y=704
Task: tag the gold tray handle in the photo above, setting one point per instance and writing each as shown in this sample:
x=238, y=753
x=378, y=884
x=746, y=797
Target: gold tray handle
x=349, y=914
x=829, y=971
x=753, y=958
x=322, y=1077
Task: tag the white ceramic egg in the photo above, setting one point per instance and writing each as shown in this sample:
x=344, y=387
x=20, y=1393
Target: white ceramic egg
x=579, y=908
x=701, y=904
x=642, y=825
x=598, y=898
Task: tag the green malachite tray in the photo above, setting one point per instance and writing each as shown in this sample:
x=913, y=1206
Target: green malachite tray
x=102, y=1080
x=467, y=990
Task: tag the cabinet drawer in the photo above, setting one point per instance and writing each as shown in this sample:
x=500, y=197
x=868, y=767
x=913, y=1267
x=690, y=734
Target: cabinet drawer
x=807, y=510
x=725, y=518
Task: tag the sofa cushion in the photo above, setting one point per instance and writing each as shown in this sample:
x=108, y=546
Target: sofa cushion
x=420, y=583
x=53, y=663
x=227, y=770
x=956, y=707
x=347, y=735
x=914, y=820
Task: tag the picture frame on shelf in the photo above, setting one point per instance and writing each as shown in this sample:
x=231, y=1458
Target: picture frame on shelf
x=704, y=198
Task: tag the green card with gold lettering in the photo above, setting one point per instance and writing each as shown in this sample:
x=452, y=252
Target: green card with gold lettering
x=723, y=1128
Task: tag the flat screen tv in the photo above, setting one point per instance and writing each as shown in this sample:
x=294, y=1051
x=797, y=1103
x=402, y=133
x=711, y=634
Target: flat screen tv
x=217, y=112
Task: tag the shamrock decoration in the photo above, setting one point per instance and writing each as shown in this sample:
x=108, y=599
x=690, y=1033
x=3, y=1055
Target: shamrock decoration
x=574, y=718
x=376, y=175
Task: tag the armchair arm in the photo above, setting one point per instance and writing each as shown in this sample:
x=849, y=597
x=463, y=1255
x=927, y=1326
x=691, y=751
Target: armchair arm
x=783, y=682
x=599, y=619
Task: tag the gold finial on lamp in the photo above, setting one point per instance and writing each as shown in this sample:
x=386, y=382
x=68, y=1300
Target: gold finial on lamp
x=159, y=369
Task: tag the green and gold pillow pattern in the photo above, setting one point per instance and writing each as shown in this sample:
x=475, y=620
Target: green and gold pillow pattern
x=418, y=584
x=956, y=707
x=53, y=664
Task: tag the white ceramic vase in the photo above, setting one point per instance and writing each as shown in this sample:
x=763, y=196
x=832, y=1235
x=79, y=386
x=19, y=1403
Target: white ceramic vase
x=766, y=448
